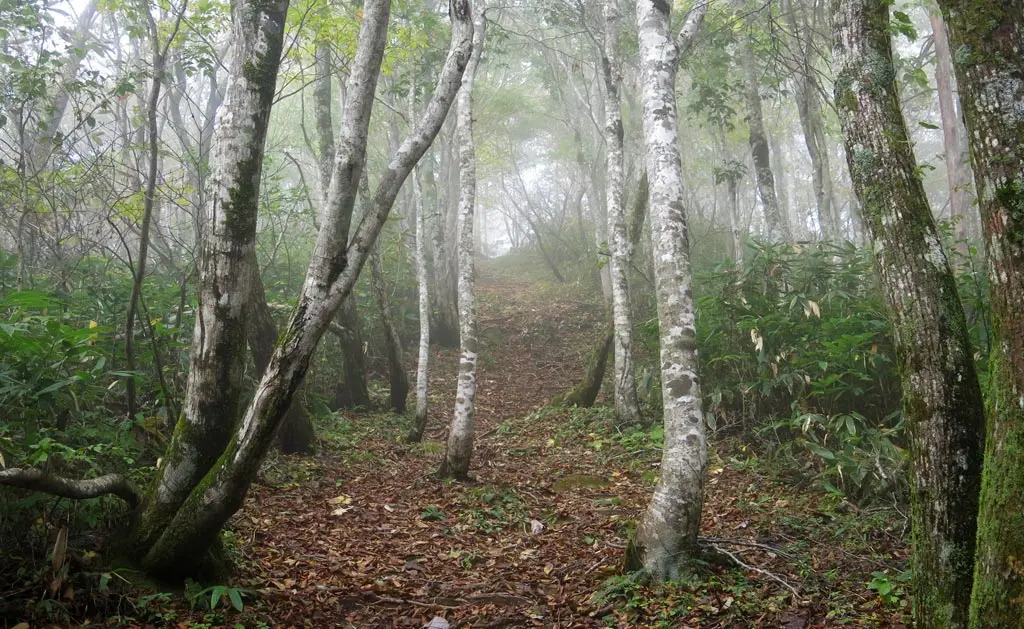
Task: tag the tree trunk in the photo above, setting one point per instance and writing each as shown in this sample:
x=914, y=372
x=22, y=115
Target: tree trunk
x=460, y=437
x=942, y=400
x=585, y=393
x=958, y=174
x=990, y=72
x=397, y=378
x=351, y=391
x=778, y=226
x=334, y=269
x=667, y=534
x=627, y=408
x=296, y=435
x=217, y=360
x=419, y=424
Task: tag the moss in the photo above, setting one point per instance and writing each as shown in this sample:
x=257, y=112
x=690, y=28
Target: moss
x=1010, y=197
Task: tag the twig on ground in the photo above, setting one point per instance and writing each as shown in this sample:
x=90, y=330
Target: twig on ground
x=743, y=542
x=739, y=562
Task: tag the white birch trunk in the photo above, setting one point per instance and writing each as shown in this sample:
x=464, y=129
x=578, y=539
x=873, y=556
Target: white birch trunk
x=423, y=280
x=627, y=409
x=667, y=534
x=460, y=437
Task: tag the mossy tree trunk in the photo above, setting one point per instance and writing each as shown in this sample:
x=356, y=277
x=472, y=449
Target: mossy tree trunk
x=334, y=269
x=585, y=393
x=227, y=254
x=987, y=39
x=942, y=399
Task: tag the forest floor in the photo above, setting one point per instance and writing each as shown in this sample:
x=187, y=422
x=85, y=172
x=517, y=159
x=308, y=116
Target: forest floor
x=363, y=534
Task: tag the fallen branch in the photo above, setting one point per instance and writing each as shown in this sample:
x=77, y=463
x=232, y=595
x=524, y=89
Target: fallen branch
x=766, y=573
x=743, y=542
x=37, y=480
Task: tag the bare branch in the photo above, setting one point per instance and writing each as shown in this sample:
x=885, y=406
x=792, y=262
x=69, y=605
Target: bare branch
x=37, y=480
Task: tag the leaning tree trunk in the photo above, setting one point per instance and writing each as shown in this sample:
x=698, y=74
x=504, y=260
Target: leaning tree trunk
x=334, y=269
x=667, y=535
x=942, y=400
x=296, y=434
x=460, y=438
x=778, y=226
x=225, y=274
x=627, y=408
x=987, y=38
x=419, y=424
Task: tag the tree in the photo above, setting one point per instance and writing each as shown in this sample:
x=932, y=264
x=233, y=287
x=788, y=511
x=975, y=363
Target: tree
x=460, y=437
x=627, y=408
x=986, y=38
x=419, y=424
x=667, y=535
x=942, y=399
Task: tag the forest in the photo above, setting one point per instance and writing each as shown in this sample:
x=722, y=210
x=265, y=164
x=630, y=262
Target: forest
x=536, y=313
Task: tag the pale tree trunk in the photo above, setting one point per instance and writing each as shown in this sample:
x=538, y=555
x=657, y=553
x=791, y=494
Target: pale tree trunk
x=460, y=437
x=666, y=538
x=422, y=278
x=217, y=358
x=627, y=408
x=809, y=109
x=775, y=220
x=739, y=246
x=958, y=173
x=942, y=400
x=334, y=269
x=990, y=73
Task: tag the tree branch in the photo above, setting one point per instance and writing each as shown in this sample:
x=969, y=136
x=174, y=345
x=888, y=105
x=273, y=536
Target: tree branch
x=692, y=26
x=37, y=480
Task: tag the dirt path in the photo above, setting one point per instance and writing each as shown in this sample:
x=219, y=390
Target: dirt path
x=364, y=535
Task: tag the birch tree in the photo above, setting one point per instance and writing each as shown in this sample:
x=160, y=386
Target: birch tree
x=942, y=400
x=423, y=281
x=666, y=538
x=987, y=40
x=460, y=437
x=627, y=408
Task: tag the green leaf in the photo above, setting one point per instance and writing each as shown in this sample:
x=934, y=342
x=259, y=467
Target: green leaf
x=216, y=592
x=928, y=125
x=236, y=598
x=824, y=453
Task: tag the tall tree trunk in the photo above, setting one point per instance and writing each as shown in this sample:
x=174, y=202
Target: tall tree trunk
x=942, y=400
x=667, y=535
x=990, y=73
x=958, y=173
x=351, y=391
x=627, y=408
x=397, y=378
x=739, y=245
x=775, y=220
x=334, y=269
x=809, y=109
x=460, y=437
x=225, y=275
x=419, y=424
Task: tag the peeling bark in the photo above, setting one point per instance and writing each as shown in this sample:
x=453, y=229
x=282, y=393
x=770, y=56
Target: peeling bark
x=460, y=437
x=666, y=537
x=942, y=399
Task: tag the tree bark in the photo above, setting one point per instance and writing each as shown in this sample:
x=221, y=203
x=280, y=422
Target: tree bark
x=217, y=360
x=987, y=38
x=335, y=267
x=942, y=399
x=37, y=480
x=422, y=278
x=397, y=378
x=627, y=408
x=778, y=226
x=460, y=437
x=667, y=534
x=958, y=174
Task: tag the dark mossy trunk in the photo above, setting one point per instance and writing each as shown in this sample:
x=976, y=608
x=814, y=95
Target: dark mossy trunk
x=942, y=399
x=987, y=40
x=351, y=391
x=398, y=378
x=585, y=393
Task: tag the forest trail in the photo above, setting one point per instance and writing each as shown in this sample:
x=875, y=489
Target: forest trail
x=364, y=534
